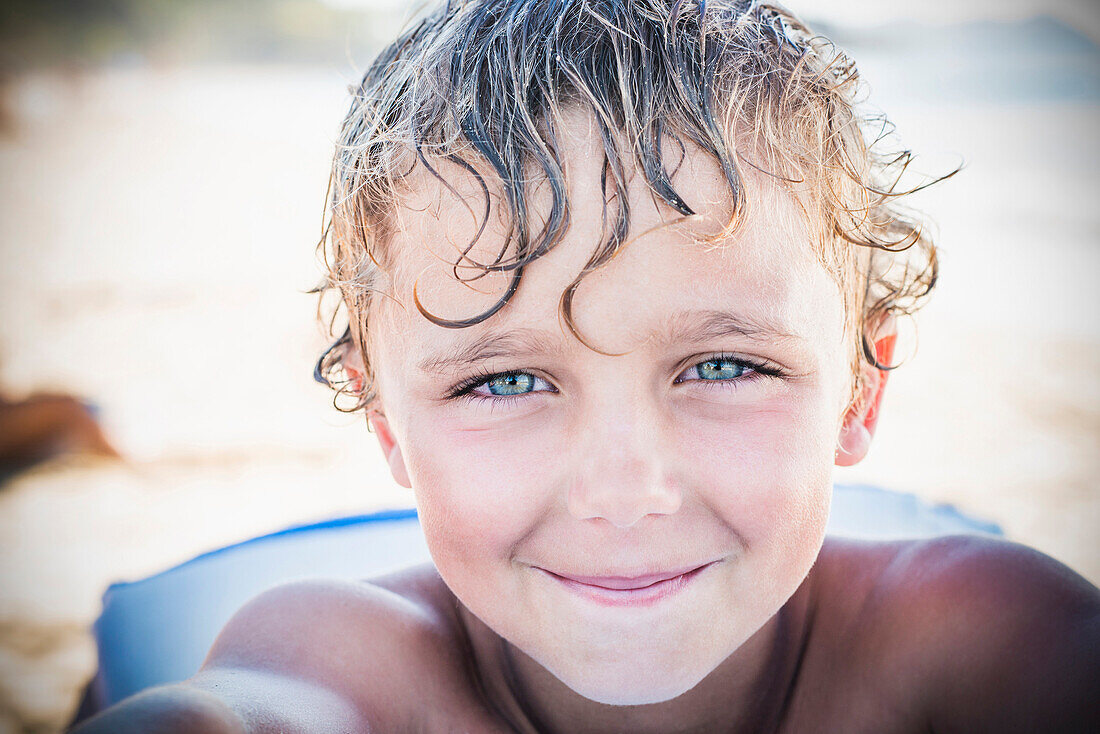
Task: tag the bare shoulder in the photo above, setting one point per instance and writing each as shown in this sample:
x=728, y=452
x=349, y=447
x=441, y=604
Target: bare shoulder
x=331, y=655
x=321, y=625
x=321, y=656
x=988, y=635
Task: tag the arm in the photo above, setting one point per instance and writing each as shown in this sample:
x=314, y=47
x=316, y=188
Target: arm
x=275, y=667
x=173, y=709
x=229, y=701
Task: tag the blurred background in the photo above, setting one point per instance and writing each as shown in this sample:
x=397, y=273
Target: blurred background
x=162, y=180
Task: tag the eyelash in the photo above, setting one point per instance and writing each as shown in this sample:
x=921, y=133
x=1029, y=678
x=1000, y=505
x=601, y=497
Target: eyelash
x=465, y=389
x=759, y=369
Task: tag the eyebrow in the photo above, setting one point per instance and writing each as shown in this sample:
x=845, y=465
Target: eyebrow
x=488, y=346
x=683, y=326
x=698, y=326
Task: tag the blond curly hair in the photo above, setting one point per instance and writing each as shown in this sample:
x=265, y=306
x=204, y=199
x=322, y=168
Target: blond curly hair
x=481, y=83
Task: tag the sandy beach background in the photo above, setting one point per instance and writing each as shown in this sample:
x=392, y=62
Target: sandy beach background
x=157, y=224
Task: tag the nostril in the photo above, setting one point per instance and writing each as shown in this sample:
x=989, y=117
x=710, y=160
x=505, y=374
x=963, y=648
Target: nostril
x=667, y=501
x=623, y=505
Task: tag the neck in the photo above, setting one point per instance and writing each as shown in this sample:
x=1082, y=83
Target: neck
x=748, y=691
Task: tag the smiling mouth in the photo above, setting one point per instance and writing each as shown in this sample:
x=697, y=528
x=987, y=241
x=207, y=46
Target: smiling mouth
x=645, y=590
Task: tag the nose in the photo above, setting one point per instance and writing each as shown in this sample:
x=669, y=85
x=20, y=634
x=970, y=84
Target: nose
x=624, y=472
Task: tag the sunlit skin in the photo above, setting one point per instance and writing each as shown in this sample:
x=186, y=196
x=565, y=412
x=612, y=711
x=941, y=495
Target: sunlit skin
x=643, y=459
x=695, y=432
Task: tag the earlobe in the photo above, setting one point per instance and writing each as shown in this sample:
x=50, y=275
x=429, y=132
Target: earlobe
x=390, y=448
x=853, y=443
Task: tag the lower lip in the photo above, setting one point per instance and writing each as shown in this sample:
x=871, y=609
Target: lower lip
x=642, y=597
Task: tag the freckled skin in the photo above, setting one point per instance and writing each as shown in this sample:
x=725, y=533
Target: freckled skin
x=627, y=461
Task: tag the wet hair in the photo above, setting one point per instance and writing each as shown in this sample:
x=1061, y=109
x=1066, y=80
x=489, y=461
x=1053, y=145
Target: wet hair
x=482, y=84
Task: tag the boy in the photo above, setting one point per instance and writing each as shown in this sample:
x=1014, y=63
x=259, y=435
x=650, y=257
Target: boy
x=622, y=280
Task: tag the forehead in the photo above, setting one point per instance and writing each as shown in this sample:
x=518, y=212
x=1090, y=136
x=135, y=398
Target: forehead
x=765, y=270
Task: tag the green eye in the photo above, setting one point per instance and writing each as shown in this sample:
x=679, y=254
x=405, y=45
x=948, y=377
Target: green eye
x=515, y=383
x=720, y=369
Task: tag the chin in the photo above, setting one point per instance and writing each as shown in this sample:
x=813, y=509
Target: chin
x=636, y=687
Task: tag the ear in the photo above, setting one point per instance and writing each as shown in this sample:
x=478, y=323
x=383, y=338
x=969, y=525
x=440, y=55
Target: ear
x=860, y=420
x=354, y=367
x=390, y=448
x=356, y=371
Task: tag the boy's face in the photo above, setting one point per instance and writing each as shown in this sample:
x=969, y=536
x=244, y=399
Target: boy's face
x=702, y=441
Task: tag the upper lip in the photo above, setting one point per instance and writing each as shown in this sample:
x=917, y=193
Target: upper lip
x=628, y=581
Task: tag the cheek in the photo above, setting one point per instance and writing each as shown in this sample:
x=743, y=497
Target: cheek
x=478, y=494
x=767, y=472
